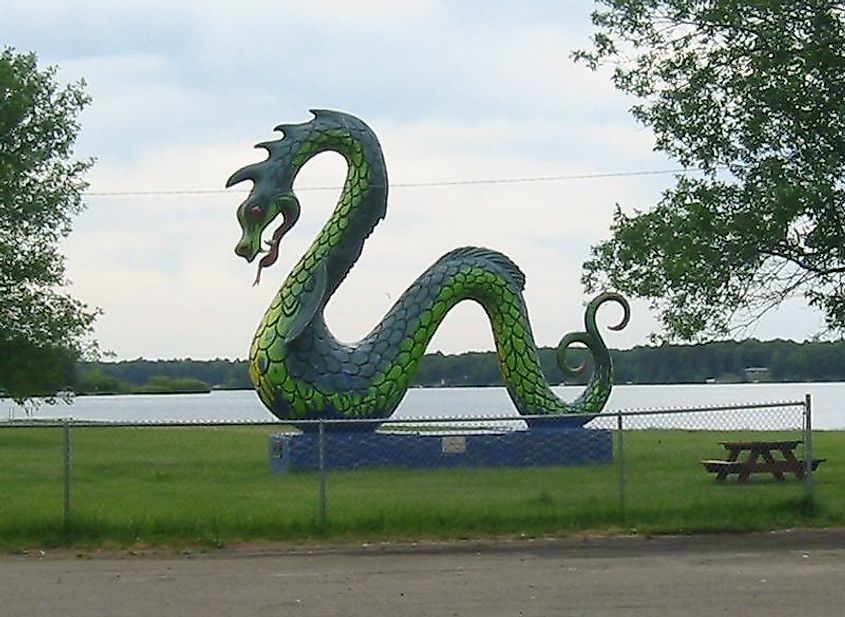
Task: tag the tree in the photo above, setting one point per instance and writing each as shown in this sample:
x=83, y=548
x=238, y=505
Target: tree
x=749, y=92
x=43, y=330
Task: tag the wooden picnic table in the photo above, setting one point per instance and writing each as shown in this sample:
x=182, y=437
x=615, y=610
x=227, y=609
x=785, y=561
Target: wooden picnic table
x=760, y=458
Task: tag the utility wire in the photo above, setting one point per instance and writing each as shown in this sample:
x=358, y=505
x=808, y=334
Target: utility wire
x=434, y=183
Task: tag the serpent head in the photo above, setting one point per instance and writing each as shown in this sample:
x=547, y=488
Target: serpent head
x=272, y=191
x=255, y=215
x=271, y=195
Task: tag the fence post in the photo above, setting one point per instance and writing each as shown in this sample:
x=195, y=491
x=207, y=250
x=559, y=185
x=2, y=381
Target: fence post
x=620, y=453
x=321, y=453
x=66, y=474
x=809, y=481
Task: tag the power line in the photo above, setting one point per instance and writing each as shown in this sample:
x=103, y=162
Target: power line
x=433, y=183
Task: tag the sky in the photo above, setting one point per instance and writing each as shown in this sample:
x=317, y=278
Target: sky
x=455, y=90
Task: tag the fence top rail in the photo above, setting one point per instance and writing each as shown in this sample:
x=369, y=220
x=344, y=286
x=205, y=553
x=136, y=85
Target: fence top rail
x=60, y=422
x=703, y=408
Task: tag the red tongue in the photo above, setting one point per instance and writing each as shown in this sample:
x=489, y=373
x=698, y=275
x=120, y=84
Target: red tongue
x=270, y=258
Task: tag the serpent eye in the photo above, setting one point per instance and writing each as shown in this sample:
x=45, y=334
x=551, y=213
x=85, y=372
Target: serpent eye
x=256, y=213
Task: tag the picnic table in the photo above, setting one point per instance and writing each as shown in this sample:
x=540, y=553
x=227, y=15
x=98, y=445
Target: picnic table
x=760, y=457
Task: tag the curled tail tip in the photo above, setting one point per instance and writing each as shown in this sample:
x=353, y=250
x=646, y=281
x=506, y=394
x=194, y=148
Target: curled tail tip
x=598, y=301
x=591, y=339
x=563, y=347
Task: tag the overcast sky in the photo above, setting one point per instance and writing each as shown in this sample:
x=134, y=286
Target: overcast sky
x=455, y=90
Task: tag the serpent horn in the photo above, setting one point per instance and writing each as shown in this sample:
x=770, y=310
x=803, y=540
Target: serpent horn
x=250, y=172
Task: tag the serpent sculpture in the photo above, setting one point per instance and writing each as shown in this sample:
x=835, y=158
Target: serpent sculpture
x=301, y=372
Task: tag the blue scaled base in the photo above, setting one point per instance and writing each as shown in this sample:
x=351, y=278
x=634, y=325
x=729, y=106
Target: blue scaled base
x=357, y=450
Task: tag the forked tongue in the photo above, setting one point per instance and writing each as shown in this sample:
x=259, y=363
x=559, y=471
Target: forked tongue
x=272, y=254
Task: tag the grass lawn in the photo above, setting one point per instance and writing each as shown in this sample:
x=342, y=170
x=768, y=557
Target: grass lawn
x=212, y=486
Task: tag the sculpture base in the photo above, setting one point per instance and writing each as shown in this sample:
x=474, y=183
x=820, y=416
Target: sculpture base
x=357, y=450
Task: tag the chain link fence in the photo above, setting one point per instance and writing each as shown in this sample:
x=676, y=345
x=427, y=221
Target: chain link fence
x=450, y=477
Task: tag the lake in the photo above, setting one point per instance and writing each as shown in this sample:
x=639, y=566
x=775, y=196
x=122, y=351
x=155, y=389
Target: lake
x=243, y=405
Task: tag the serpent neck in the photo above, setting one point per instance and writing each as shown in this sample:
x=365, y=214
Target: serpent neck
x=362, y=202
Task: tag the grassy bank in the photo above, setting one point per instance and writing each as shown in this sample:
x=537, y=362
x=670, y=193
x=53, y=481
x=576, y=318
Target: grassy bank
x=211, y=486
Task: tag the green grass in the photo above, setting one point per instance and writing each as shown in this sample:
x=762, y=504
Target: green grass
x=212, y=486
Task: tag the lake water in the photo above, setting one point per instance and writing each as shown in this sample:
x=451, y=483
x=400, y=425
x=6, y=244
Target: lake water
x=828, y=403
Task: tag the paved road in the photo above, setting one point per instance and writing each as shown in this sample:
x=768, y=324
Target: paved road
x=784, y=574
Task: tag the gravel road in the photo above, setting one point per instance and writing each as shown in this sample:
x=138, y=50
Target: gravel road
x=779, y=574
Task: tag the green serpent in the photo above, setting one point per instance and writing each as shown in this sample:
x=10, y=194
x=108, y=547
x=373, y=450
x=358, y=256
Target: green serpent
x=299, y=369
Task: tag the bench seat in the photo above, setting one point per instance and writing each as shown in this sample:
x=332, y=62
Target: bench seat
x=715, y=466
x=728, y=467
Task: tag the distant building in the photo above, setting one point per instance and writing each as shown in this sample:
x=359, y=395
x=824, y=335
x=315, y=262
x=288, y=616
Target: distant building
x=755, y=374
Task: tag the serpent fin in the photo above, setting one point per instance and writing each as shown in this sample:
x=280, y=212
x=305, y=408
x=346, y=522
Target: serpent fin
x=309, y=303
x=504, y=264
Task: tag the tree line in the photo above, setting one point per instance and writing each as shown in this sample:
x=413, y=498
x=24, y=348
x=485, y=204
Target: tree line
x=726, y=362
